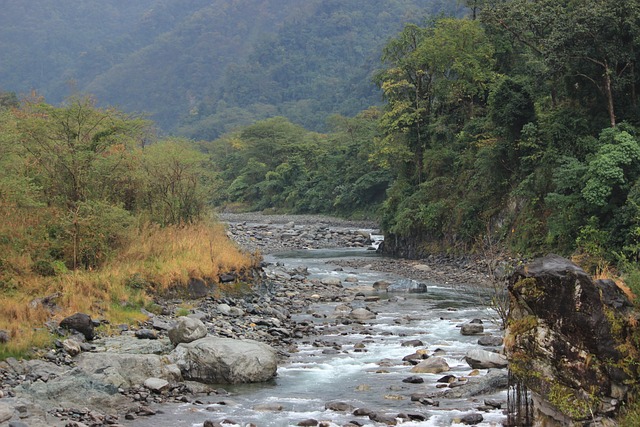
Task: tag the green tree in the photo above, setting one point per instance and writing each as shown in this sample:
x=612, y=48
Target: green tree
x=434, y=74
x=77, y=148
x=178, y=181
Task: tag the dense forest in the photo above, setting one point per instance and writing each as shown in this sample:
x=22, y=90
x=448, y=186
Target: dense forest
x=479, y=124
x=516, y=129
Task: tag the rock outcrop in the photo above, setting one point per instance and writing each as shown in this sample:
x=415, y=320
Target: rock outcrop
x=569, y=342
x=213, y=360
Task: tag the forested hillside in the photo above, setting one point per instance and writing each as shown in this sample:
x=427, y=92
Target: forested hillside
x=518, y=128
x=514, y=130
x=205, y=65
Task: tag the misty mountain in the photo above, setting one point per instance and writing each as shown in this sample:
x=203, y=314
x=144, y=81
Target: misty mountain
x=201, y=67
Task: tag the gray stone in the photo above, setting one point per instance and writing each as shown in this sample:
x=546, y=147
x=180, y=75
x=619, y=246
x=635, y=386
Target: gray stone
x=214, y=360
x=361, y=314
x=268, y=407
x=6, y=412
x=126, y=370
x=387, y=419
x=472, y=419
x=156, y=384
x=433, y=365
x=131, y=345
x=381, y=285
x=490, y=341
x=72, y=347
x=339, y=406
x=161, y=325
x=187, y=330
x=483, y=359
x=472, y=329
x=146, y=334
x=331, y=281
x=495, y=380
x=407, y=285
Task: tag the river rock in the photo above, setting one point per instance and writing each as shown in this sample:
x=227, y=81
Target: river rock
x=125, y=370
x=75, y=389
x=472, y=419
x=472, y=328
x=407, y=285
x=383, y=418
x=79, y=322
x=156, y=384
x=482, y=359
x=146, y=334
x=71, y=346
x=187, y=330
x=308, y=423
x=490, y=341
x=331, y=281
x=268, y=407
x=129, y=345
x=339, y=406
x=413, y=380
x=412, y=343
x=362, y=314
x=6, y=412
x=381, y=285
x=433, y=365
x=214, y=360
x=495, y=380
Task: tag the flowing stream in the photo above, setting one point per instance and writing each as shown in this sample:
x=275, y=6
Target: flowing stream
x=357, y=364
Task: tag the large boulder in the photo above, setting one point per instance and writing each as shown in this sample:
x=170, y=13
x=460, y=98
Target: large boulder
x=472, y=328
x=214, y=360
x=186, y=330
x=569, y=341
x=126, y=370
x=483, y=359
x=79, y=322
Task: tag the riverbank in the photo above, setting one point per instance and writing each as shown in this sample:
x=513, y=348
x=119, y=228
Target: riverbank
x=265, y=234
x=286, y=311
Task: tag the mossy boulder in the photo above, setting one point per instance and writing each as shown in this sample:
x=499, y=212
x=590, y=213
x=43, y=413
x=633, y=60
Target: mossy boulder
x=568, y=341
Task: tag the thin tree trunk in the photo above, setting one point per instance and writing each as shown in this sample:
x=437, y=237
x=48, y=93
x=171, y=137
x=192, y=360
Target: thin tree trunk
x=609, y=93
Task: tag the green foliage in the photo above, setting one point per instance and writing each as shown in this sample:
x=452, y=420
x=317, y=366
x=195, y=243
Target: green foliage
x=177, y=182
x=81, y=177
x=276, y=165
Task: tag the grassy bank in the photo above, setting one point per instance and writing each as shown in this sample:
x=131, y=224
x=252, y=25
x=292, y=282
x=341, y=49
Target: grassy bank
x=154, y=260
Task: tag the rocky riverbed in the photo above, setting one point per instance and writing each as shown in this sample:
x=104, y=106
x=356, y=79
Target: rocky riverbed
x=118, y=380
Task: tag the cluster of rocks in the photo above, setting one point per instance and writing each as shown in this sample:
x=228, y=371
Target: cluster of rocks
x=441, y=269
x=255, y=232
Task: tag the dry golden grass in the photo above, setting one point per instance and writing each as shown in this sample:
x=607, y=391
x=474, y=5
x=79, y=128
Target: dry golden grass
x=163, y=257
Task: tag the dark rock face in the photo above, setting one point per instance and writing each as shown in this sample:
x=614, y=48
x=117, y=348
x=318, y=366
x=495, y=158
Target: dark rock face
x=79, y=322
x=564, y=340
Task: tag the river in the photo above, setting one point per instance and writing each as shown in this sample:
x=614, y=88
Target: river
x=357, y=364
